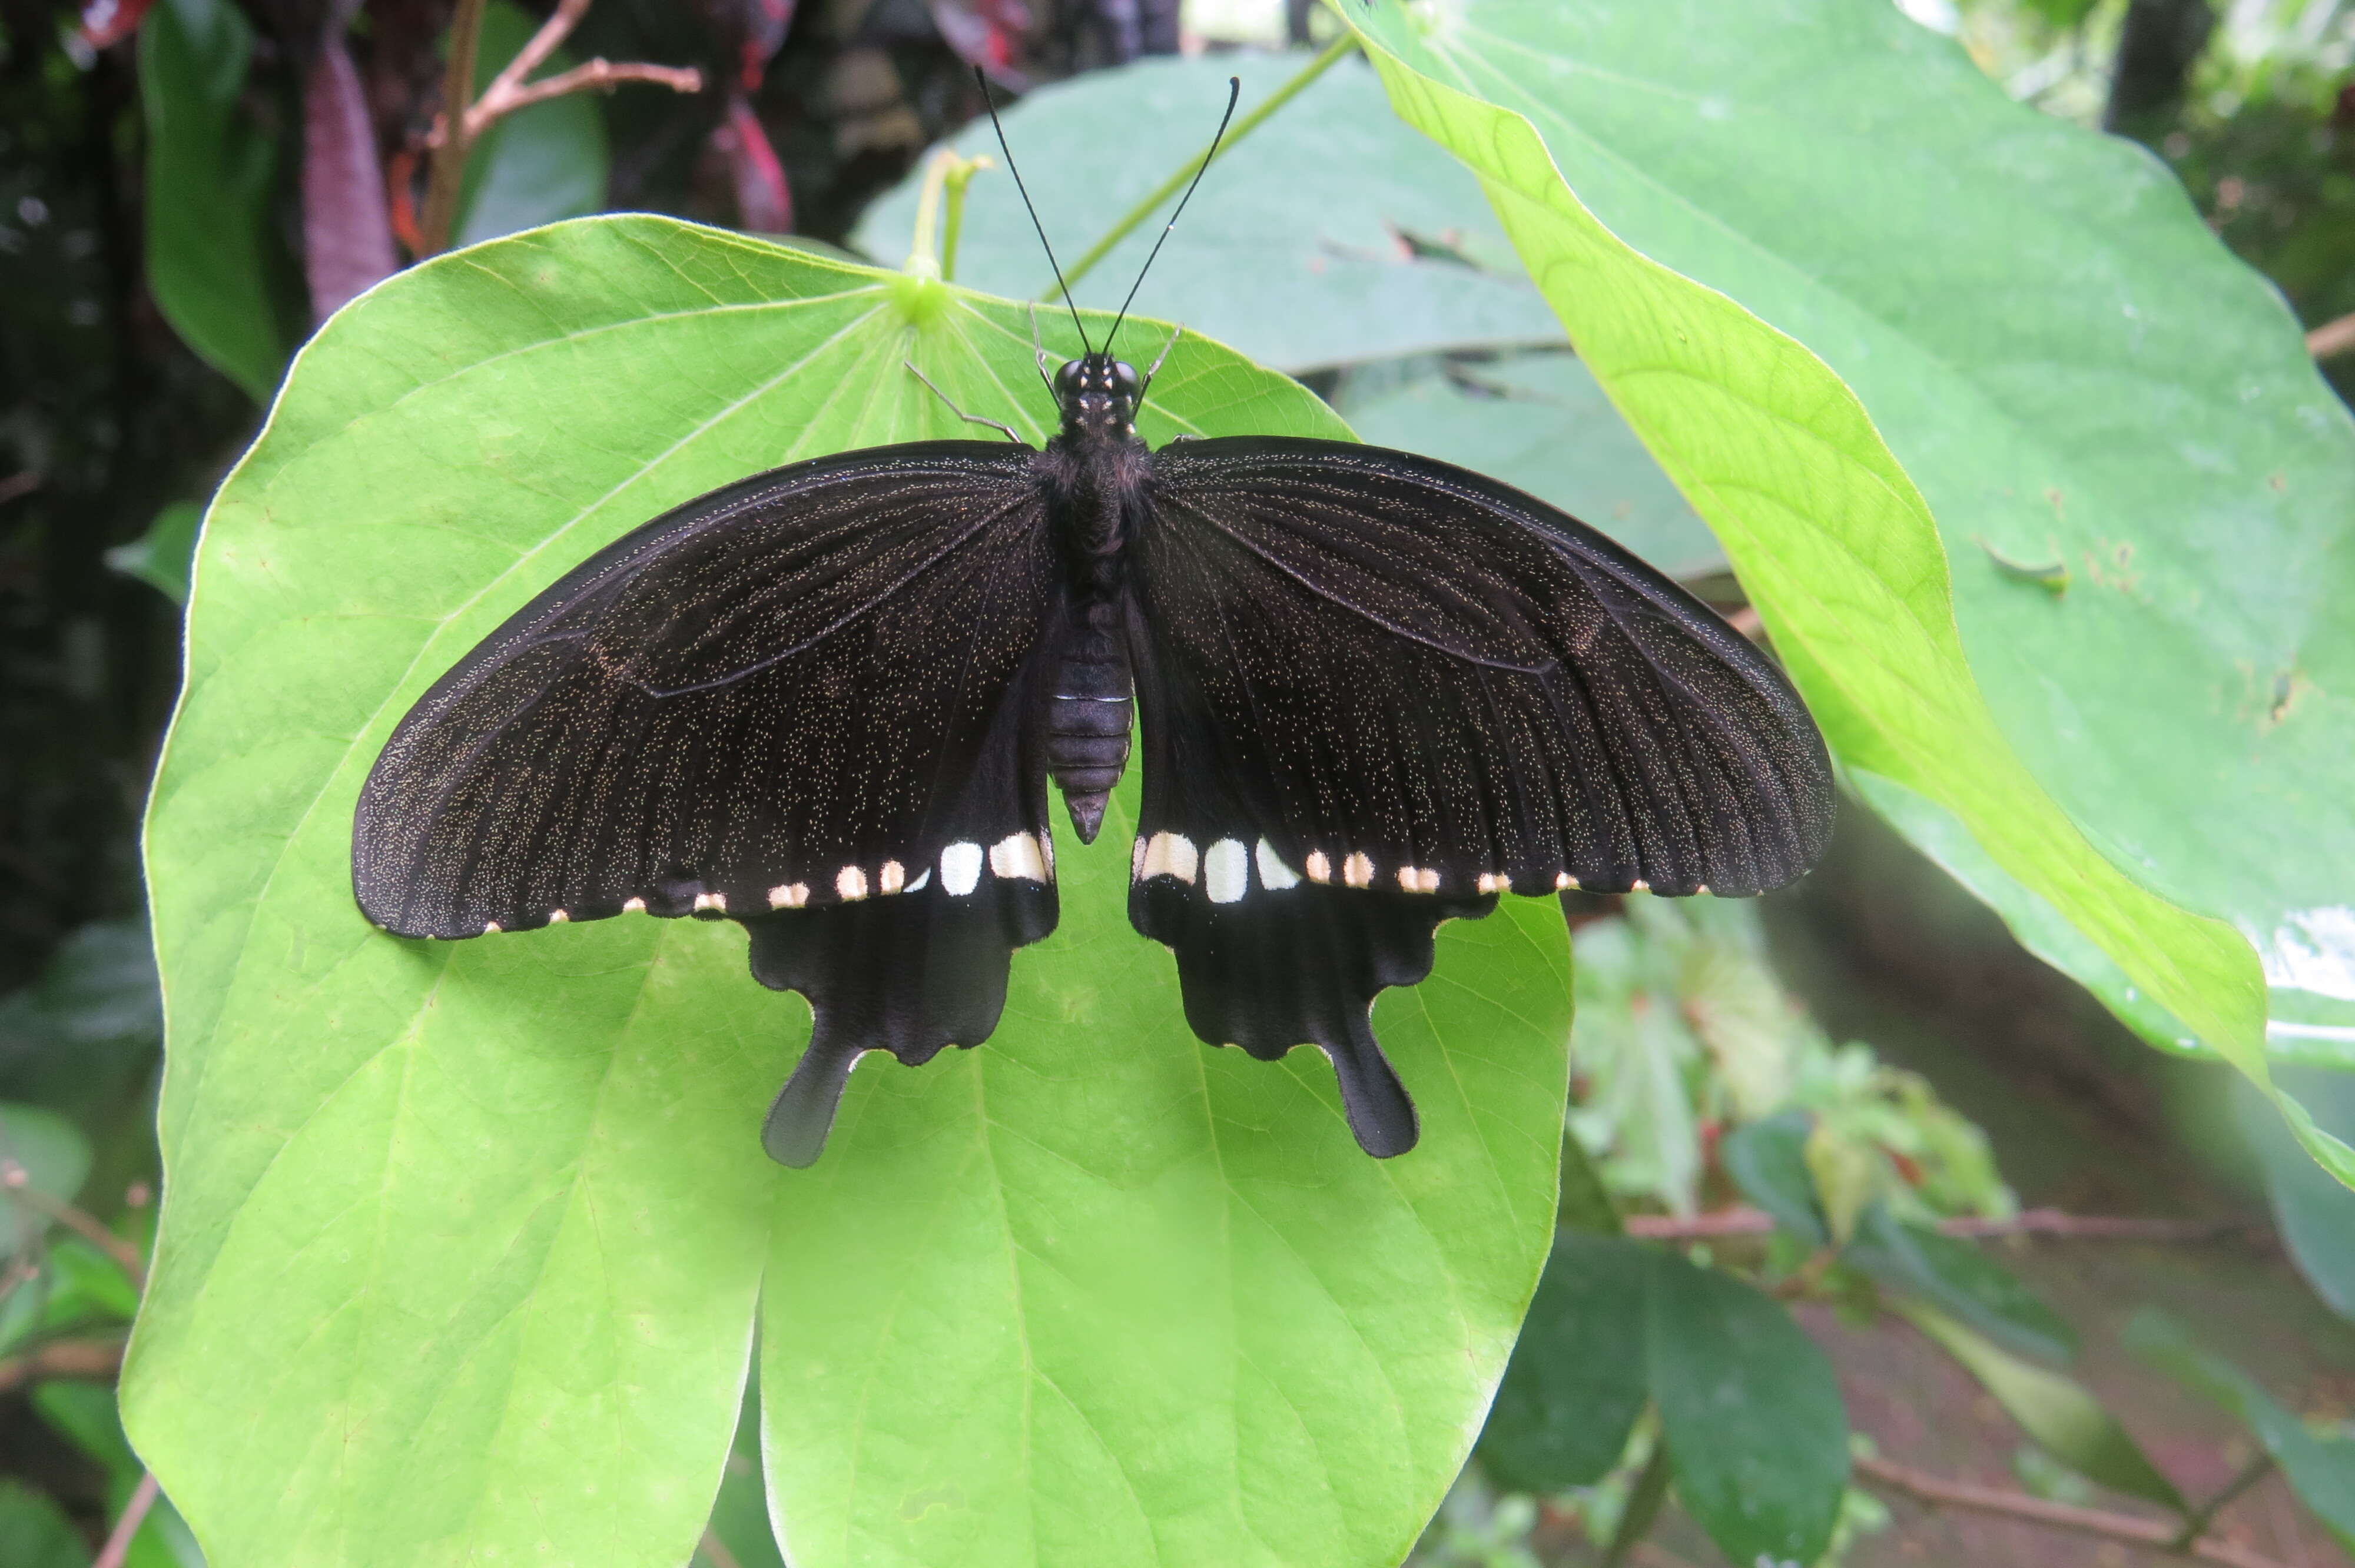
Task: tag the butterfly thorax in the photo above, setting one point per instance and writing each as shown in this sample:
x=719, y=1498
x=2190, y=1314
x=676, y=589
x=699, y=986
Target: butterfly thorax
x=1096, y=469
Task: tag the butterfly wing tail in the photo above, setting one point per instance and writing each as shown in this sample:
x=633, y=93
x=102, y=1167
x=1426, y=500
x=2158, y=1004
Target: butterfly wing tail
x=803, y=1113
x=909, y=973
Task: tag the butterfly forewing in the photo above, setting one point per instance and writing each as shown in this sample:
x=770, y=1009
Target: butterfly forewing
x=1397, y=660
x=805, y=702
x=767, y=698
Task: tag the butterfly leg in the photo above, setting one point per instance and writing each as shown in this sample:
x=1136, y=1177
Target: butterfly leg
x=1155, y=368
x=1011, y=434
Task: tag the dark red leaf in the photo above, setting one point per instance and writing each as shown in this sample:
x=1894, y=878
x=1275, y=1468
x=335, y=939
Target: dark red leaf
x=764, y=204
x=752, y=32
x=988, y=34
x=108, y=22
x=347, y=230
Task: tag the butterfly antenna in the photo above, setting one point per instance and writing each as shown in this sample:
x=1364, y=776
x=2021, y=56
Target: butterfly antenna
x=1234, y=91
x=1033, y=211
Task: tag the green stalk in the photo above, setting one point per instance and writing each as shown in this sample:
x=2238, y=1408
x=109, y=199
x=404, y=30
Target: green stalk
x=960, y=175
x=450, y=159
x=1177, y=181
x=945, y=174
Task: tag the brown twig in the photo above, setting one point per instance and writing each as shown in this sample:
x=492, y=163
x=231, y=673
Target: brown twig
x=135, y=1514
x=509, y=91
x=1746, y=1222
x=446, y=178
x=2159, y=1534
x=93, y=1361
x=596, y=75
x=2331, y=338
x=19, y=1184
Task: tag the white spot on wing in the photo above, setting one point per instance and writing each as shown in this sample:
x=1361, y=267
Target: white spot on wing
x=922, y=881
x=1319, y=869
x=850, y=885
x=891, y=878
x=1016, y=855
x=1272, y=872
x=960, y=868
x=1495, y=882
x=1170, y=854
x=558, y=917
x=1418, y=879
x=1640, y=886
x=491, y=928
x=1226, y=872
x=1564, y=882
x=711, y=901
x=790, y=895
x=634, y=907
x=1358, y=871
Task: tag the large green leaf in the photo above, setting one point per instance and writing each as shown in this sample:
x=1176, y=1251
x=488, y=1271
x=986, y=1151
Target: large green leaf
x=461, y=1241
x=1751, y=1414
x=209, y=260
x=2058, y=352
x=1320, y=240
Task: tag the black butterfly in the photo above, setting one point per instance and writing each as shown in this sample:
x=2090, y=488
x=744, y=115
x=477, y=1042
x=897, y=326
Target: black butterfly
x=1377, y=691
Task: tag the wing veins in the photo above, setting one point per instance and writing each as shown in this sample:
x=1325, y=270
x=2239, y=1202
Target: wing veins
x=1358, y=611
x=988, y=520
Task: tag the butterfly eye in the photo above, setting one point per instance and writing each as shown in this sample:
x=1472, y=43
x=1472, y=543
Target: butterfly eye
x=1067, y=380
x=1125, y=381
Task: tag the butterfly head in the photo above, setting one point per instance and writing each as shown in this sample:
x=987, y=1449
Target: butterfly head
x=1098, y=395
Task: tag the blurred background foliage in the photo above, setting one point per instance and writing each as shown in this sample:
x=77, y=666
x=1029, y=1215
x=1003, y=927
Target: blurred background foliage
x=1861, y=1100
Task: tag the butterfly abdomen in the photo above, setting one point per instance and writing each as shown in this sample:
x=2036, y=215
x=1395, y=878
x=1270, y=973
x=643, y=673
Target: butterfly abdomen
x=1088, y=718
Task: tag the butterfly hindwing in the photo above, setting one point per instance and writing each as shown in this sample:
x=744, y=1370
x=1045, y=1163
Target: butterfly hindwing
x=1406, y=688
x=803, y=701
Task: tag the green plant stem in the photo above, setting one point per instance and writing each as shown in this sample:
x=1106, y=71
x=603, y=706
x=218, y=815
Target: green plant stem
x=1644, y=1500
x=1177, y=181
x=959, y=176
x=450, y=159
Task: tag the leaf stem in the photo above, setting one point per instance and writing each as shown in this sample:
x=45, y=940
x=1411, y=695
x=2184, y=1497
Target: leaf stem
x=960, y=175
x=2332, y=338
x=945, y=174
x=135, y=1514
x=2159, y=1534
x=92, y=1361
x=1747, y=1222
x=18, y=1184
x=2196, y=1526
x=1169, y=187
